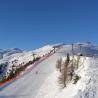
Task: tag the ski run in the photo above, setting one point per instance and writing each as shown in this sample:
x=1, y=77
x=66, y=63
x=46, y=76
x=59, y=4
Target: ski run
x=42, y=80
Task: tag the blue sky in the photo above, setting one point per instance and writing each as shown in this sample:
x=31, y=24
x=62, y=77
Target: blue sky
x=29, y=24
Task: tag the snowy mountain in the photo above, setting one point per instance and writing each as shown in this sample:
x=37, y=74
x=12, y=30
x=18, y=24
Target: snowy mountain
x=8, y=52
x=42, y=80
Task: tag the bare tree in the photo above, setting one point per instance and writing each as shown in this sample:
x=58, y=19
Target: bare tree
x=63, y=75
x=59, y=64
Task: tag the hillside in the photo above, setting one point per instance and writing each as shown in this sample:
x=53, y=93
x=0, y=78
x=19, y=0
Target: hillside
x=42, y=80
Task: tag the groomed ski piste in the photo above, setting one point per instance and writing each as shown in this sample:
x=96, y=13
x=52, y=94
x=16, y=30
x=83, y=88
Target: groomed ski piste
x=41, y=81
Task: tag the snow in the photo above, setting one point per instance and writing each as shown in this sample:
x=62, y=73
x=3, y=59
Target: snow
x=8, y=52
x=43, y=84
x=44, y=50
x=87, y=86
x=17, y=57
x=21, y=88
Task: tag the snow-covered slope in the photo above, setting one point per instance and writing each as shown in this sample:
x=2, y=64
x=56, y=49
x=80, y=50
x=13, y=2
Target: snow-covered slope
x=18, y=58
x=87, y=87
x=43, y=84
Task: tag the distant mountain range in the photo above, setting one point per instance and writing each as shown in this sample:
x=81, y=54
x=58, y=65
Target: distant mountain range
x=8, y=52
